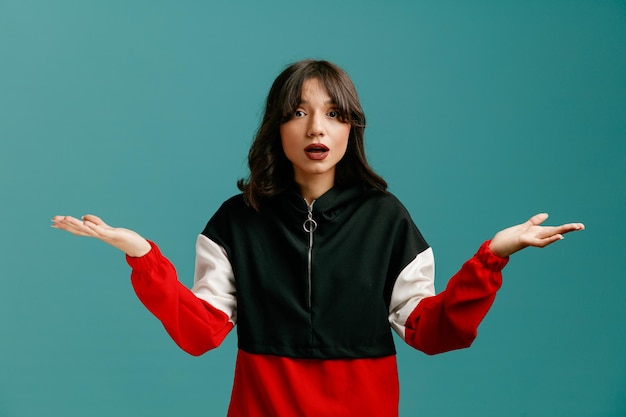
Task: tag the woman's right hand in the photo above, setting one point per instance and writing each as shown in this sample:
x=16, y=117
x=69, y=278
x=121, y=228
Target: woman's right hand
x=125, y=240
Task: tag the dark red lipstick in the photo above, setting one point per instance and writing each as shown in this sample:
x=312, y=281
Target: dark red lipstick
x=316, y=151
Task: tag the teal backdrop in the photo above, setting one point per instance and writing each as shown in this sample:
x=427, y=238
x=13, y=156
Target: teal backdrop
x=480, y=114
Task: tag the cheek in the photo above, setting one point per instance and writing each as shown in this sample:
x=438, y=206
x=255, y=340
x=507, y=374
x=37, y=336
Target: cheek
x=286, y=138
x=288, y=131
x=344, y=136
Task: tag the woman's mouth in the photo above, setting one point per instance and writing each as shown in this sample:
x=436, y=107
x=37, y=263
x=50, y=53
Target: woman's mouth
x=316, y=151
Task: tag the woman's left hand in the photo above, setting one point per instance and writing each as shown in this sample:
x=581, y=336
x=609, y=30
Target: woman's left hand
x=508, y=241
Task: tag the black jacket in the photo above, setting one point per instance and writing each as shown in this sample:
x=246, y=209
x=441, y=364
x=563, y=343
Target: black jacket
x=320, y=289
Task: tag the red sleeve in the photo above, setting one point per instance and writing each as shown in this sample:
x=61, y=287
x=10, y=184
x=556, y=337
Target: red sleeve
x=194, y=324
x=450, y=319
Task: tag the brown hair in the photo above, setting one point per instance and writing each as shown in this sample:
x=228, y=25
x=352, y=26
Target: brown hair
x=270, y=170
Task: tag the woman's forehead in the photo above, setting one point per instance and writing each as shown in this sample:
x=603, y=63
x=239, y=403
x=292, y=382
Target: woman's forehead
x=314, y=90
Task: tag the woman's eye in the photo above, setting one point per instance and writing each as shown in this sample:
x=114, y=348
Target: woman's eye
x=333, y=113
x=298, y=113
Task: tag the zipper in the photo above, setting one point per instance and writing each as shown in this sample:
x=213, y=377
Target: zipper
x=309, y=226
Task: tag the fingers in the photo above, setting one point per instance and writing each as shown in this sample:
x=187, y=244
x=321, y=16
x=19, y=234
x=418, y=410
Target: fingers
x=548, y=231
x=537, y=219
x=96, y=229
x=70, y=224
x=62, y=222
x=90, y=226
x=570, y=227
x=546, y=235
x=94, y=219
x=542, y=243
x=576, y=226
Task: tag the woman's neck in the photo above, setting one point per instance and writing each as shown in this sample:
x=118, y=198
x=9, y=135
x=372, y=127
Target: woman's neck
x=312, y=190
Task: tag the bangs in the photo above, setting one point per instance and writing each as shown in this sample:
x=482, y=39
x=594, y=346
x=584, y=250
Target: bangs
x=337, y=84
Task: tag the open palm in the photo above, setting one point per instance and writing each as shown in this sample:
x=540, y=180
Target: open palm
x=125, y=240
x=530, y=233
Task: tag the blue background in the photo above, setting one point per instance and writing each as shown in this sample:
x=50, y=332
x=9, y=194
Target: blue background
x=480, y=114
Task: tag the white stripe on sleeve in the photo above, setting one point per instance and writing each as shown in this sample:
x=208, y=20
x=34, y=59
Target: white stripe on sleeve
x=415, y=282
x=214, y=281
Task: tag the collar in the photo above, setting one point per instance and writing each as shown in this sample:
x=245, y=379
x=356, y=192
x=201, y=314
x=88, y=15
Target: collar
x=327, y=207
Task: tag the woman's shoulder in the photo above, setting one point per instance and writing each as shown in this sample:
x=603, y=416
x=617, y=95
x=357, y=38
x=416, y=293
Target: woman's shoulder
x=232, y=212
x=385, y=200
x=233, y=208
x=237, y=201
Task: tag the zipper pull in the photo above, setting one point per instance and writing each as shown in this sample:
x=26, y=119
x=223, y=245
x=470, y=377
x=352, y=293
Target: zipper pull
x=309, y=224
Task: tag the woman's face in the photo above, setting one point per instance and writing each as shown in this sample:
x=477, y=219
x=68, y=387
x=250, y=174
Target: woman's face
x=315, y=138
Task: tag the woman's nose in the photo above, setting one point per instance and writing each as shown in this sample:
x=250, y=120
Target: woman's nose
x=316, y=125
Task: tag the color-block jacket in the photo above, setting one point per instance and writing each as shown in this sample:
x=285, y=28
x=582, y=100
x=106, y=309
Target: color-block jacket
x=315, y=291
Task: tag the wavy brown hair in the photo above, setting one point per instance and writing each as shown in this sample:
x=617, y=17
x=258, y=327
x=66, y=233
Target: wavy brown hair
x=271, y=172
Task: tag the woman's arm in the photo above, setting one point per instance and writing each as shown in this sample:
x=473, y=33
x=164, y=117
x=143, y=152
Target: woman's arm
x=197, y=322
x=450, y=319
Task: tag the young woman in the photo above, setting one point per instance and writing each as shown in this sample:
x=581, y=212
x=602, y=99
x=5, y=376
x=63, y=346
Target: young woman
x=315, y=262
